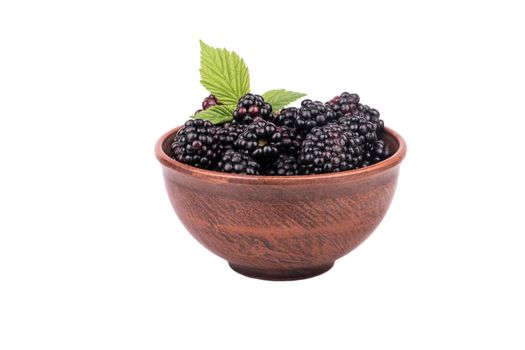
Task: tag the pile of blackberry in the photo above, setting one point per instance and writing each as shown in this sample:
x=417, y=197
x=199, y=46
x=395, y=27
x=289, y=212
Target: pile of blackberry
x=341, y=134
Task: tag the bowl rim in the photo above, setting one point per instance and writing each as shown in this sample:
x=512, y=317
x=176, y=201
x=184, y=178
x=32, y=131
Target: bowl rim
x=217, y=176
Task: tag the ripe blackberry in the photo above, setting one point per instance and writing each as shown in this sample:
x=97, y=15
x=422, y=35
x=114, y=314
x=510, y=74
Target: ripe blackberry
x=235, y=162
x=289, y=142
x=229, y=133
x=260, y=140
x=308, y=116
x=251, y=106
x=196, y=143
x=375, y=152
x=284, y=166
x=344, y=104
x=372, y=115
x=286, y=117
x=313, y=114
x=208, y=102
x=356, y=149
x=348, y=103
x=329, y=149
x=359, y=125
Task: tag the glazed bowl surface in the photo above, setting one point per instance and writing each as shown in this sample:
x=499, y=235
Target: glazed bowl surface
x=281, y=227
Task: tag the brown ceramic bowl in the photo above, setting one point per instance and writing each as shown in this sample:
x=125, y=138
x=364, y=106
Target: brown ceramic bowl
x=281, y=227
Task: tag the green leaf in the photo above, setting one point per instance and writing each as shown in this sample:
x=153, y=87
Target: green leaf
x=224, y=74
x=281, y=98
x=217, y=114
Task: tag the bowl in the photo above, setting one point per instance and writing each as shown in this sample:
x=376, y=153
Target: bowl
x=281, y=227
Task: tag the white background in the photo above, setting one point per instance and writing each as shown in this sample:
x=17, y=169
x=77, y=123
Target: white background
x=92, y=255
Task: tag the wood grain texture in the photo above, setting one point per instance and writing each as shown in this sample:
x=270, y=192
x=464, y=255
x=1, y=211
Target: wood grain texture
x=281, y=227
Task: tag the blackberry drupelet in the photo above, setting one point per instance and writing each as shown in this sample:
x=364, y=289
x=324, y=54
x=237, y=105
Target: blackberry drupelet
x=260, y=141
x=251, y=106
x=284, y=166
x=235, y=162
x=359, y=125
x=196, y=144
x=344, y=104
x=329, y=149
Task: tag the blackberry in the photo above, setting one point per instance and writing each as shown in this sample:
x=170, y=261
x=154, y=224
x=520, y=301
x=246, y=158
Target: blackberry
x=356, y=149
x=376, y=152
x=289, y=141
x=348, y=103
x=359, y=125
x=235, y=162
x=229, y=133
x=208, y=102
x=260, y=140
x=308, y=116
x=344, y=104
x=251, y=106
x=329, y=149
x=312, y=114
x=284, y=166
x=372, y=115
x=196, y=144
x=286, y=117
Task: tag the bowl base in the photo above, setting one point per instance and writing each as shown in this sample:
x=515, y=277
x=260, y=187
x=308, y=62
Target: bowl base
x=281, y=275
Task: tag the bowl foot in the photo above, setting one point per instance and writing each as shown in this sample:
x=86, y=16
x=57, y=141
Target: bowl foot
x=281, y=275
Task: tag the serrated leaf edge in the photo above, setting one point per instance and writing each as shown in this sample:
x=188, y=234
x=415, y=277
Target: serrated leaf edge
x=271, y=94
x=216, y=114
x=219, y=87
